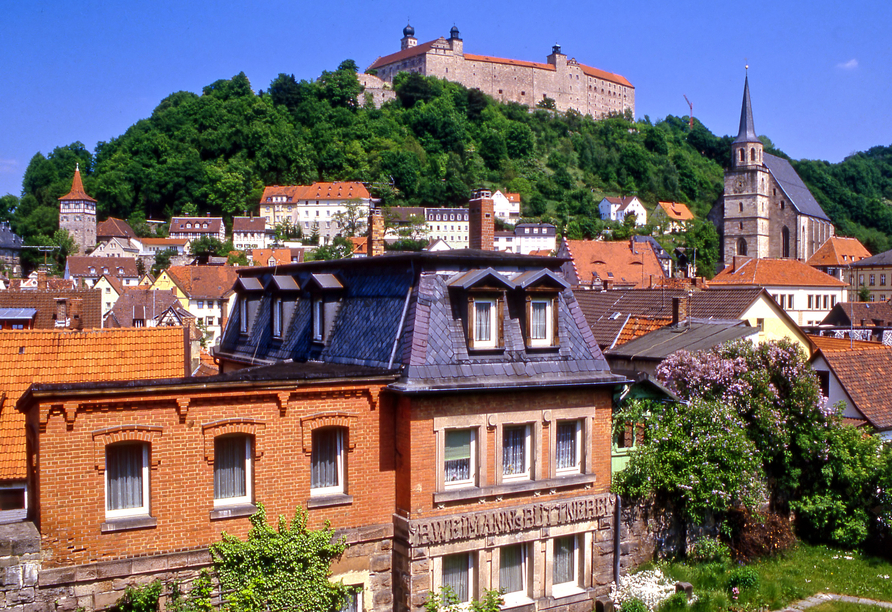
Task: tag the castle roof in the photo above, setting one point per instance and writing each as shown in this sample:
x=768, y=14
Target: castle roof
x=747, y=132
x=77, y=189
x=793, y=187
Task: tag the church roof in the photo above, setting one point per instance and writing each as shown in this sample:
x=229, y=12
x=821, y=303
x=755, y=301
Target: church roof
x=796, y=191
x=746, y=133
x=77, y=189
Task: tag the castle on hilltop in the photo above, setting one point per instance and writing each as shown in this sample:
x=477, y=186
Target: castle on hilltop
x=571, y=85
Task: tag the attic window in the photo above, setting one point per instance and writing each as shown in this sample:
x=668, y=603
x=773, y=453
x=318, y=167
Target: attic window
x=485, y=322
x=614, y=316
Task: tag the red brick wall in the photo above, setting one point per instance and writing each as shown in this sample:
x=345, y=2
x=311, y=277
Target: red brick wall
x=417, y=466
x=71, y=486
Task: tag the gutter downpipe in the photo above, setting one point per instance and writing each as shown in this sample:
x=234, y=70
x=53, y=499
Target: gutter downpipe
x=617, y=534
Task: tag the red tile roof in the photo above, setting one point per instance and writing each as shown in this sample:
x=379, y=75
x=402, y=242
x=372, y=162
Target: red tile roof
x=178, y=225
x=38, y=356
x=510, y=62
x=249, y=224
x=676, y=211
x=114, y=228
x=360, y=244
x=830, y=344
x=317, y=191
x=138, y=303
x=626, y=262
x=607, y=76
x=261, y=257
x=45, y=303
x=864, y=374
x=839, y=251
x=213, y=282
x=775, y=273
x=636, y=327
x=173, y=242
x=77, y=189
x=403, y=54
x=79, y=265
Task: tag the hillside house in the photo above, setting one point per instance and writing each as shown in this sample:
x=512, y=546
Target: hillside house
x=672, y=217
x=617, y=209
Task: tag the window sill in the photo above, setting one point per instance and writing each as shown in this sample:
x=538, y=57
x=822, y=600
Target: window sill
x=496, y=350
x=564, y=591
x=526, y=486
x=234, y=511
x=544, y=349
x=128, y=523
x=329, y=500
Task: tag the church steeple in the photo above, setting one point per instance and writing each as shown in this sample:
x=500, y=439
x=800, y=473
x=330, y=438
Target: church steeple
x=746, y=148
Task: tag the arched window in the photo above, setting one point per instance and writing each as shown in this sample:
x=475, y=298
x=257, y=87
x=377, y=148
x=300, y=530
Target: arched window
x=741, y=246
x=753, y=154
x=742, y=155
x=785, y=242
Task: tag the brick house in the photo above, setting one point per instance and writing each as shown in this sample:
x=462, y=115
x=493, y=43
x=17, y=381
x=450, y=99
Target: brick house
x=462, y=438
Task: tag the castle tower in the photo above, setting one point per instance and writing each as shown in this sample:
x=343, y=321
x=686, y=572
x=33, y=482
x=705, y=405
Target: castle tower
x=77, y=214
x=455, y=41
x=408, y=41
x=746, y=201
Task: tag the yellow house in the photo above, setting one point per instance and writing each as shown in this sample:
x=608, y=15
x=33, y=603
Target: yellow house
x=203, y=291
x=110, y=288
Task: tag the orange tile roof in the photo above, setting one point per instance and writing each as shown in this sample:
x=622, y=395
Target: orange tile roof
x=77, y=189
x=676, y=211
x=282, y=256
x=839, y=251
x=317, y=191
x=607, y=76
x=542, y=252
x=360, y=244
x=43, y=356
x=510, y=62
x=213, y=282
x=636, y=327
x=775, y=273
x=829, y=344
x=164, y=241
x=864, y=374
x=615, y=262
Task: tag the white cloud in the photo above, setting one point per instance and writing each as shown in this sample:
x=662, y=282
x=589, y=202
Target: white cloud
x=8, y=166
x=849, y=65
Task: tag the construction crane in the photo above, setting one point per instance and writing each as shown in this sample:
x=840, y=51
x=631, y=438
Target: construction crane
x=691, y=104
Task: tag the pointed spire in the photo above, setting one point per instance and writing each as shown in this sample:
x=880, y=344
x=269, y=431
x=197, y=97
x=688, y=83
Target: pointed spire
x=77, y=188
x=747, y=132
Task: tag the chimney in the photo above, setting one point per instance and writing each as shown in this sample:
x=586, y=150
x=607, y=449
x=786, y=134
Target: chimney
x=75, y=312
x=375, y=242
x=61, y=316
x=738, y=261
x=481, y=226
x=41, y=280
x=679, y=310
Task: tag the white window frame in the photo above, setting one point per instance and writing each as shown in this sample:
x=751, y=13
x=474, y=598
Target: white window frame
x=521, y=597
x=318, y=319
x=472, y=574
x=339, y=488
x=548, y=340
x=472, y=481
x=249, y=489
x=278, y=312
x=527, y=473
x=577, y=468
x=493, y=340
x=130, y=512
x=571, y=587
x=18, y=514
x=243, y=314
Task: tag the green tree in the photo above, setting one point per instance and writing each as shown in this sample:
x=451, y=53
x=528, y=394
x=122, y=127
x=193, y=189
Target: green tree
x=702, y=241
x=280, y=569
x=162, y=260
x=339, y=248
x=863, y=293
x=352, y=218
x=207, y=246
x=546, y=103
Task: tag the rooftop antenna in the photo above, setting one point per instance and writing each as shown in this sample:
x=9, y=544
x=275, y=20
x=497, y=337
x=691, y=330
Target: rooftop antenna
x=691, y=116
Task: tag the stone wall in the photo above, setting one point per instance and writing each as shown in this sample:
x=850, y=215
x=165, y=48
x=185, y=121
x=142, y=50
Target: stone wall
x=20, y=566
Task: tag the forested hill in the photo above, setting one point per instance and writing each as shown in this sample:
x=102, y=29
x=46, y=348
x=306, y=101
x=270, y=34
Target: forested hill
x=432, y=146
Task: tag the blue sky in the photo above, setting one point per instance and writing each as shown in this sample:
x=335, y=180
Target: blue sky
x=820, y=72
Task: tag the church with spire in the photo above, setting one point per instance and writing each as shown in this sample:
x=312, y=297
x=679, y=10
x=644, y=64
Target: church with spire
x=766, y=211
x=77, y=214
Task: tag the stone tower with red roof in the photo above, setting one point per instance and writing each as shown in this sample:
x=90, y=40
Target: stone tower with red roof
x=77, y=214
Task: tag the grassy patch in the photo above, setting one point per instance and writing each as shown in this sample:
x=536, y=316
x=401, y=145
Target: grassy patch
x=800, y=573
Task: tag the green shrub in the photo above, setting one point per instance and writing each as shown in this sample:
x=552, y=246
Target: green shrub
x=743, y=577
x=140, y=599
x=709, y=550
x=633, y=605
x=678, y=601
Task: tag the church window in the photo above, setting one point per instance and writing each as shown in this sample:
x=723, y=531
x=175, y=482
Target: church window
x=740, y=206
x=783, y=205
x=742, y=155
x=785, y=242
x=740, y=224
x=741, y=246
x=753, y=154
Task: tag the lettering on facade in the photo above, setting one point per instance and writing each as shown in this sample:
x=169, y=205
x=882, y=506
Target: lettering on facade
x=509, y=520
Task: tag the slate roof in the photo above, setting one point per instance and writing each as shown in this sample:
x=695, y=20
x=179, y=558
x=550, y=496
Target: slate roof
x=399, y=311
x=44, y=301
x=792, y=185
x=77, y=189
x=843, y=314
x=8, y=239
x=864, y=374
x=775, y=273
x=76, y=356
x=628, y=263
x=747, y=131
x=880, y=259
x=79, y=266
x=142, y=304
x=114, y=228
x=839, y=251
x=318, y=191
x=209, y=282
x=691, y=335
x=178, y=225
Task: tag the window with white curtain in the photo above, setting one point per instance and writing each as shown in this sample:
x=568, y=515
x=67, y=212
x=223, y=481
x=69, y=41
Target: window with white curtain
x=484, y=329
x=126, y=479
x=568, y=448
x=459, y=460
x=565, y=566
x=513, y=573
x=516, y=452
x=277, y=317
x=327, y=459
x=232, y=470
x=318, y=319
x=456, y=574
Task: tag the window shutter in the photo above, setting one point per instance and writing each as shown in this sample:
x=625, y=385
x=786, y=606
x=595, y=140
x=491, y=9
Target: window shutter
x=555, y=312
x=500, y=320
x=471, y=312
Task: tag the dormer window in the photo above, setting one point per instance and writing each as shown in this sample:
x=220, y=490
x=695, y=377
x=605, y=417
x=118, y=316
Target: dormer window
x=278, y=312
x=541, y=322
x=484, y=323
x=318, y=319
